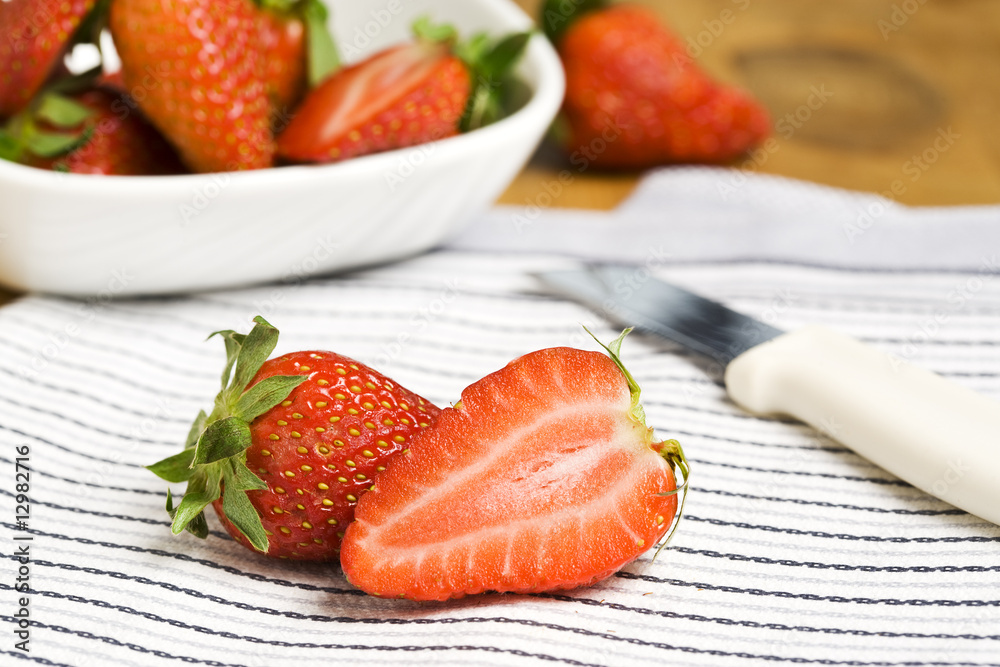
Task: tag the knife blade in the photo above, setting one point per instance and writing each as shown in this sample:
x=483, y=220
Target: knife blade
x=937, y=435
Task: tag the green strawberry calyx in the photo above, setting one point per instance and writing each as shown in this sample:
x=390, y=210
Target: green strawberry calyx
x=53, y=124
x=670, y=450
x=213, y=462
x=490, y=62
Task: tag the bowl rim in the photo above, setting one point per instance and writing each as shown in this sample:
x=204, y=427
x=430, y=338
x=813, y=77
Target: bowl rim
x=547, y=91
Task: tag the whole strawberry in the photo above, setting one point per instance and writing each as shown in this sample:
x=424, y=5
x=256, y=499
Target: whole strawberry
x=291, y=446
x=283, y=39
x=403, y=96
x=116, y=141
x=196, y=69
x=298, y=50
x=544, y=476
x=634, y=99
x=33, y=36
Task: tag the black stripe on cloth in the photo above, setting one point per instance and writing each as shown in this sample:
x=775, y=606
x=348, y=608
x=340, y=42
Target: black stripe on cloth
x=32, y=658
x=740, y=441
x=93, y=485
x=143, y=331
x=492, y=649
x=465, y=648
x=390, y=620
x=519, y=328
x=803, y=473
x=697, y=552
x=843, y=536
x=626, y=575
x=129, y=381
x=535, y=329
x=861, y=303
x=732, y=261
x=68, y=450
x=103, y=515
x=820, y=503
x=812, y=597
x=190, y=559
x=104, y=401
x=723, y=413
x=90, y=427
x=126, y=352
x=840, y=567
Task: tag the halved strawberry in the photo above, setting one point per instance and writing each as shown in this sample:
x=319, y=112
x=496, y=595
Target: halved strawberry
x=406, y=95
x=544, y=476
x=33, y=36
x=290, y=446
x=403, y=96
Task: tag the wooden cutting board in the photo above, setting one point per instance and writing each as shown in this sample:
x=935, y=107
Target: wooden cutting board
x=900, y=97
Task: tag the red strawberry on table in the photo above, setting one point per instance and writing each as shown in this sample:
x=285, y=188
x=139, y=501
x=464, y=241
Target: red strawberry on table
x=33, y=37
x=403, y=96
x=290, y=446
x=634, y=99
x=196, y=69
x=544, y=476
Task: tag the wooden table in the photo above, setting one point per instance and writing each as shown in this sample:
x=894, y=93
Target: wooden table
x=911, y=87
x=910, y=93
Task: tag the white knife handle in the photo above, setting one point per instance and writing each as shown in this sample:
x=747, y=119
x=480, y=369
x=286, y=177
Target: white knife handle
x=936, y=435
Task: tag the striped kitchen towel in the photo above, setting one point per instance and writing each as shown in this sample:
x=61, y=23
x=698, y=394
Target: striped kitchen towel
x=792, y=550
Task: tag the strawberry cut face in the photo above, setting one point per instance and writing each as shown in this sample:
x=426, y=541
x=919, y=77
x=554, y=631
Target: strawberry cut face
x=541, y=478
x=379, y=104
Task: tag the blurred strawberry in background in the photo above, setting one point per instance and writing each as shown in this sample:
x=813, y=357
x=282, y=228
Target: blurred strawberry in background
x=634, y=98
x=34, y=36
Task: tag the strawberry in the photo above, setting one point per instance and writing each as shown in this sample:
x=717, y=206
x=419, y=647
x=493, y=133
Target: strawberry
x=283, y=38
x=544, y=476
x=299, y=51
x=402, y=96
x=195, y=67
x=33, y=37
x=290, y=446
x=117, y=141
x=634, y=99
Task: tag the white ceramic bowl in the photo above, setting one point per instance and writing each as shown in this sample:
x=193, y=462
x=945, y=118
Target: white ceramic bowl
x=101, y=235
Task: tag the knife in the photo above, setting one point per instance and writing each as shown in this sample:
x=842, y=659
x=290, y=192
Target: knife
x=938, y=436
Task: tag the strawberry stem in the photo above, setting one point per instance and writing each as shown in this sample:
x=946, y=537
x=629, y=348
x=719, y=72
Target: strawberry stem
x=670, y=450
x=213, y=462
x=323, y=56
x=444, y=33
x=614, y=351
x=493, y=86
x=490, y=63
x=24, y=134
